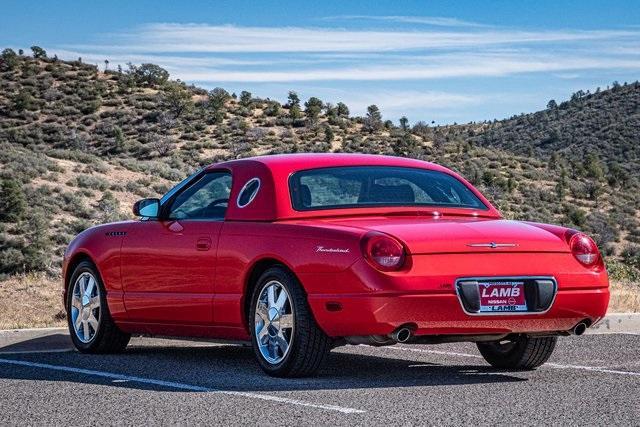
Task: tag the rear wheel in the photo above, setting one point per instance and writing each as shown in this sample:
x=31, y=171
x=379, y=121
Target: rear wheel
x=519, y=352
x=286, y=340
x=91, y=327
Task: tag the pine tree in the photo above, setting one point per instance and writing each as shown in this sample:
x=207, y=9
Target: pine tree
x=118, y=140
x=13, y=203
x=293, y=99
x=8, y=60
x=245, y=99
x=343, y=110
x=313, y=108
x=177, y=98
x=404, y=123
x=373, y=121
x=37, y=245
x=38, y=52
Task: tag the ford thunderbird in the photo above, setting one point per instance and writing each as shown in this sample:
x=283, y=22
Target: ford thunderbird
x=301, y=253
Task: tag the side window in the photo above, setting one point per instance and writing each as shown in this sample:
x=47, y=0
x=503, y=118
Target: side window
x=207, y=198
x=248, y=192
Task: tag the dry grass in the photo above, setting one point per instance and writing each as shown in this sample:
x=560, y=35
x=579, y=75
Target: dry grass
x=34, y=300
x=625, y=297
x=30, y=301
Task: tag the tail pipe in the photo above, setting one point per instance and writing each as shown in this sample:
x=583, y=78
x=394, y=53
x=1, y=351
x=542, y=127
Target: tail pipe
x=579, y=329
x=402, y=334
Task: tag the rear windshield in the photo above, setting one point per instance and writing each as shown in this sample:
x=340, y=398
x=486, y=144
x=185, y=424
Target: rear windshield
x=378, y=186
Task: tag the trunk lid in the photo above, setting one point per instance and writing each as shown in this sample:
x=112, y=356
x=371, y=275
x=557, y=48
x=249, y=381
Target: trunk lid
x=430, y=235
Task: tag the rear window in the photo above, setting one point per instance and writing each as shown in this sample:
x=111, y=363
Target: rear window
x=378, y=186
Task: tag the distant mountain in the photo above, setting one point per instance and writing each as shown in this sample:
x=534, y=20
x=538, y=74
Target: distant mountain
x=605, y=123
x=79, y=146
x=591, y=144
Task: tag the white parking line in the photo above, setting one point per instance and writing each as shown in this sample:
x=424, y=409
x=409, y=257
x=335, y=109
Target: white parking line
x=420, y=350
x=593, y=368
x=181, y=386
x=550, y=365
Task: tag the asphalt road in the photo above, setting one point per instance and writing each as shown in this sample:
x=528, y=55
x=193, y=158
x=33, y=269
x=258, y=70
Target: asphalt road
x=592, y=380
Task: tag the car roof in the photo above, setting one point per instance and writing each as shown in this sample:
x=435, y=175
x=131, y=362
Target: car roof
x=273, y=202
x=302, y=161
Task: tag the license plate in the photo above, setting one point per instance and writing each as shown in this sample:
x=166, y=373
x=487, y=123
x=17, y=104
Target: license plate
x=502, y=296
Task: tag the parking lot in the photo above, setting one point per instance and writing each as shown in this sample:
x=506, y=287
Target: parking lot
x=593, y=379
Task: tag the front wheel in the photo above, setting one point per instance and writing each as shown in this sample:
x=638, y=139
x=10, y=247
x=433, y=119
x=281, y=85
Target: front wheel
x=519, y=352
x=91, y=327
x=286, y=340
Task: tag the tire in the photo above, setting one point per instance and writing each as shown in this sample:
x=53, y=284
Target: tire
x=519, y=353
x=103, y=336
x=308, y=345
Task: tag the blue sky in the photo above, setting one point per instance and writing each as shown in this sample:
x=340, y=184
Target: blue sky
x=442, y=61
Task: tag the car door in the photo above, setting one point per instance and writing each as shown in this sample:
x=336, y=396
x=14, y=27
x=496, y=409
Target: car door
x=168, y=264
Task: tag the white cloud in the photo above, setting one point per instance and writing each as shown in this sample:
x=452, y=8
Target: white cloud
x=436, y=21
x=226, y=53
x=568, y=76
x=446, y=66
x=403, y=100
x=200, y=38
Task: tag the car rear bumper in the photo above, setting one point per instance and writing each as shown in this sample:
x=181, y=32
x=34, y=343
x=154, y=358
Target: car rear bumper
x=442, y=314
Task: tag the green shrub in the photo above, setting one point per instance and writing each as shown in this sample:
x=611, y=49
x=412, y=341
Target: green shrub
x=91, y=182
x=13, y=203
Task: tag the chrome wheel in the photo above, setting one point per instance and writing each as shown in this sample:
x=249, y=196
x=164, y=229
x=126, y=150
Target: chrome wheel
x=274, y=322
x=85, y=307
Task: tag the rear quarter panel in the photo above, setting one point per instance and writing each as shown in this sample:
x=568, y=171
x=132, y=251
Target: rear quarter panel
x=243, y=244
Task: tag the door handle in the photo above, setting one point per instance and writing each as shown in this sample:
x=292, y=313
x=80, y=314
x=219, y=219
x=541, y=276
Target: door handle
x=203, y=244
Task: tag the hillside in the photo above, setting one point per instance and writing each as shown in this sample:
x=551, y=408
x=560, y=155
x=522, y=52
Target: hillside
x=605, y=124
x=79, y=146
x=591, y=145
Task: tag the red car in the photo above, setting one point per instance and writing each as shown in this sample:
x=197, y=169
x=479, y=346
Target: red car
x=302, y=253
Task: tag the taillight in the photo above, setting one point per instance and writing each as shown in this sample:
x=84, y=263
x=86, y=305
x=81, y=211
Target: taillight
x=584, y=249
x=383, y=252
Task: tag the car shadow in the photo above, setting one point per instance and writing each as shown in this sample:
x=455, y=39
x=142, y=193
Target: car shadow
x=233, y=368
x=49, y=342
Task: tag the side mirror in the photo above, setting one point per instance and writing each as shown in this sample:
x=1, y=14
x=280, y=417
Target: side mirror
x=148, y=208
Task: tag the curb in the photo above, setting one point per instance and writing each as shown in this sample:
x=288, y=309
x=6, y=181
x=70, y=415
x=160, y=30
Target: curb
x=46, y=329
x=617, y=323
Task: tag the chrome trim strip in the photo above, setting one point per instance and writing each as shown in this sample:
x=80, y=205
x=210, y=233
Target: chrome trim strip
x=492, y=245
x=504, y=313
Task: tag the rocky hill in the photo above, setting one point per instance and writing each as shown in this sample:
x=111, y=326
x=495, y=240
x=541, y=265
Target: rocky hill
x=78, y=146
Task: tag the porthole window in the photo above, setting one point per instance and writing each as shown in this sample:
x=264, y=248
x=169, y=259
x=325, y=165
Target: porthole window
x=248, y=192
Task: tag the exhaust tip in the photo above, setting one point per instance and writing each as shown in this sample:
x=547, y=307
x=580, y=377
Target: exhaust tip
x=579, y=329
x=401, y=335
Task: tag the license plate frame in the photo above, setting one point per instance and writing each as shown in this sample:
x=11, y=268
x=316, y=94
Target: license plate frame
x=502, y=296
x=540, y=294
